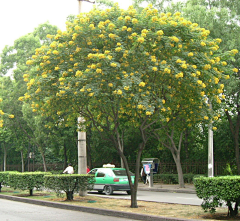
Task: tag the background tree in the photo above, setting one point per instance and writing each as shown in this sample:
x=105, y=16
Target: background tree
x=221, y=18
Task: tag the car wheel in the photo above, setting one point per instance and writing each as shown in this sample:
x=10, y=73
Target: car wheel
x=100, y=191
x=108, y=190
x=129, y=192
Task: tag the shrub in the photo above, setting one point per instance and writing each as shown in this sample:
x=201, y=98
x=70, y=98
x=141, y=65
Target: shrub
x=172, y=178
x=69, y=183
x=27, y=180
x=216, y=190
x=4, y=178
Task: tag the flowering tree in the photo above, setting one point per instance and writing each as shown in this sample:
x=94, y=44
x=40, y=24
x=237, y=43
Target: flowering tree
x=121, y=69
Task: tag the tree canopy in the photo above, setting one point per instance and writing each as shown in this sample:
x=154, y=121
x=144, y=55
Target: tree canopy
x=120, y=68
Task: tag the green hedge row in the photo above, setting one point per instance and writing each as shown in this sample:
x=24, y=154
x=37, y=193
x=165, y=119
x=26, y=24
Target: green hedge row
x=67, y=183
x=27, y=181
x=4, y=178
x=173, y=178
x=218, y=190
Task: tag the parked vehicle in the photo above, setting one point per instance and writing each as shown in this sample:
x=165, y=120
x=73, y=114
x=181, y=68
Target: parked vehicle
x=109, y=179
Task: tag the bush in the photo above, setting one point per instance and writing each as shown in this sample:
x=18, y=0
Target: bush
x=27, y=180
x=216, y=190
x=4, y=178
x=172, y=178
x=69, y=183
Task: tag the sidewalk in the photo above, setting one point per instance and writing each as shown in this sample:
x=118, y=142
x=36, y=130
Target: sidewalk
x=189, y=188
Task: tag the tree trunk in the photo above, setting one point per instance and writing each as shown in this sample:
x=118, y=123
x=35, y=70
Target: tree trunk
x=65, y=155
x=118, y=144
x=235, y=134
x=176, y=156
x=89, y=149
x=22, y=160
x=180, y=173
x=69, y=195
x=4, y=158
x=232, y=212
x=44, y=162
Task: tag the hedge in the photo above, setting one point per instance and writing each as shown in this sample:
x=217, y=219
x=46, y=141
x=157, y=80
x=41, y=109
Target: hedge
x=69, y=183
x=27, y=180
x=218, y=190
x=4, y=177
x=173, y=178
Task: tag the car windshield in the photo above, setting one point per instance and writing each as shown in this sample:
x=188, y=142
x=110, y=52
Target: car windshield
x=121, y=173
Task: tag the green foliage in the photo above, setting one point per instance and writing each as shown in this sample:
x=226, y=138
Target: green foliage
x=27, y=180
x=4, y=177
x=173, y=178
x=68, y=183
x=216, y=190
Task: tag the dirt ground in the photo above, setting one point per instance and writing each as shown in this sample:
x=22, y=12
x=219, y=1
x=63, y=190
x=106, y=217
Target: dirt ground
x=153, y=208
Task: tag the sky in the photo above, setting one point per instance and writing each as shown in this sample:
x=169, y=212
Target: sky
x=20, y=17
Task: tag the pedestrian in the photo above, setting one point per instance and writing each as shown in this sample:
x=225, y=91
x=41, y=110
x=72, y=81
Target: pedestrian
x=88, y=169
x=143, y=175
x=69, y=169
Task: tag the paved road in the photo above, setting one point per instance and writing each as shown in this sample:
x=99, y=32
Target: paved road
x=17, y=211
x=164, y=197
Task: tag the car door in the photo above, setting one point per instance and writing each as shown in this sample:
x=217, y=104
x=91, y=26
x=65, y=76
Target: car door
x=100, y=179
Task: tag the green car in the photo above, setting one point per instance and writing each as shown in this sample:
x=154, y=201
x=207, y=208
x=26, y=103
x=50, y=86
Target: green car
x=109, y=179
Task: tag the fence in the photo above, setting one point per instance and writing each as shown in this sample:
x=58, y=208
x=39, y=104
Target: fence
x=187, y=167
x=164, y=167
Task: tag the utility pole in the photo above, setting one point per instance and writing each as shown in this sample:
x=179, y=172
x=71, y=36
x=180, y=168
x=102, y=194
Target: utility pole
x=82, y=147
x=210, y=148
x=80, y=7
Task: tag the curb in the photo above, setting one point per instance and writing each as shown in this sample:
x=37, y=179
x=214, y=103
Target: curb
x=104, y=212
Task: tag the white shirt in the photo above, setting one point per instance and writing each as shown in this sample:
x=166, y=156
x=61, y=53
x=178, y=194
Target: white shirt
x=69, y=170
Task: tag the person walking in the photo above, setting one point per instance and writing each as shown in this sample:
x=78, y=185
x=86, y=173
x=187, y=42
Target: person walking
x=143, y=175
x=69, y=169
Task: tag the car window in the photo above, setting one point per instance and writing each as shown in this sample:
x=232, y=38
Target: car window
x=93, y=171
x=109, y=173
x=121, y=173
x=100, y=174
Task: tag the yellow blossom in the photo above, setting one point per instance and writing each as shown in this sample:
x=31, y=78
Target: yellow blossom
x=142, y=84
x=227, y=77
x=148, y=113
x=119, y=92
x=29, y=62
x=113, y=65
x=235, y=70
x=140, y=40
x=234, y=51
x=160, y=32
